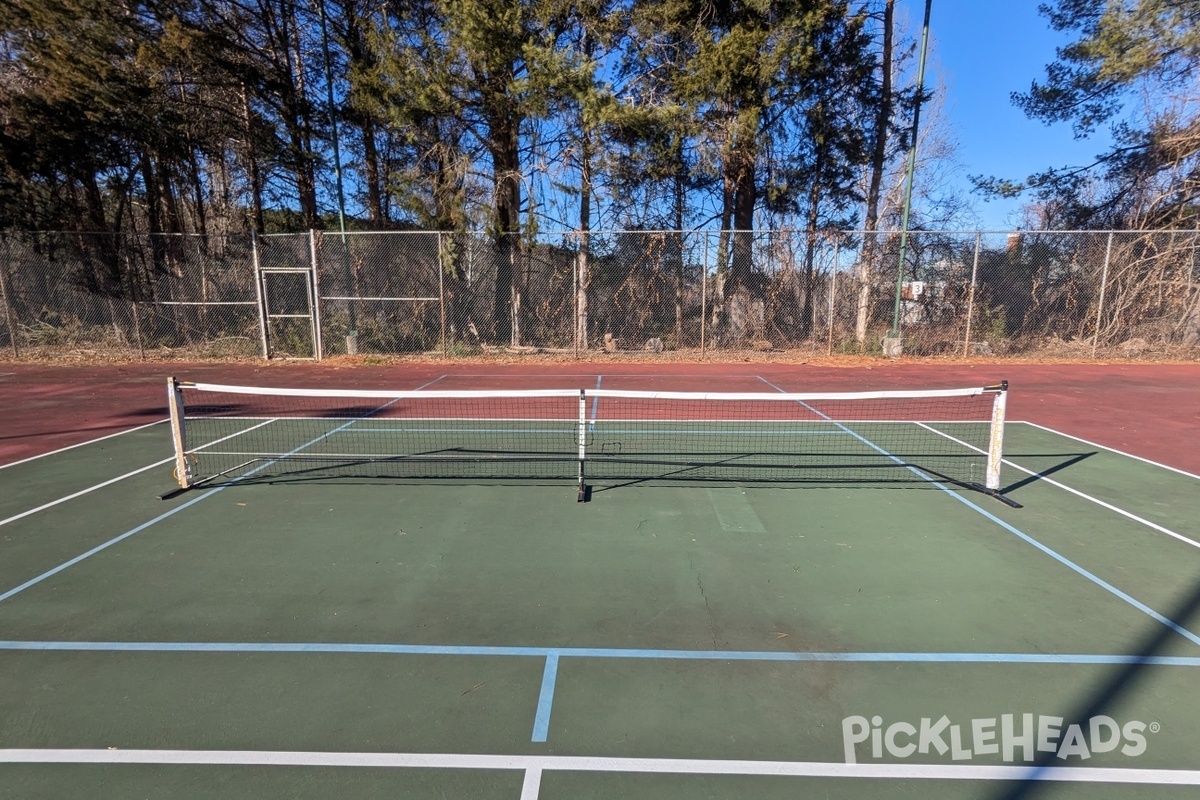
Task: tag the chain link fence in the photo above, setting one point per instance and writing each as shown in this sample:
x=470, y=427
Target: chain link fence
x=127, y=295
x=690, y=293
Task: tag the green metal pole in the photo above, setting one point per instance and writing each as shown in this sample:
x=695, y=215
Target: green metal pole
x=912, y=163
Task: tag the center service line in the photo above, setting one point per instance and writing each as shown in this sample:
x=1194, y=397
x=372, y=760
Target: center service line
x=541, y=721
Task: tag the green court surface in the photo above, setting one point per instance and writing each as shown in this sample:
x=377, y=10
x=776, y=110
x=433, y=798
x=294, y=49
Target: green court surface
x=485, y=635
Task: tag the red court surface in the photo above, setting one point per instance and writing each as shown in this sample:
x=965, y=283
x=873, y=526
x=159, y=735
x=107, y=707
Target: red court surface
x=1147, y=410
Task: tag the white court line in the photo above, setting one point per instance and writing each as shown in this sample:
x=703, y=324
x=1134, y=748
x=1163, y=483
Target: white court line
x=82, y=492
x=532, y=785
x=1076, y=492
x=670, y=766
x=159, y=518
x=81, y=444
x=138, y=471
x=1113, y=450
x=432, y=382
x=111, y=481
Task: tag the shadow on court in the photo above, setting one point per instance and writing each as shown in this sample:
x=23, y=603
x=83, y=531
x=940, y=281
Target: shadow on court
x=1106, y=696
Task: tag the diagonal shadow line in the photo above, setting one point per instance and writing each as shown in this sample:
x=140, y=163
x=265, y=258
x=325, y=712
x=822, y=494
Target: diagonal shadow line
x=1045, y=473
x=673, y=474
x=116, y=426
x=1107, y=695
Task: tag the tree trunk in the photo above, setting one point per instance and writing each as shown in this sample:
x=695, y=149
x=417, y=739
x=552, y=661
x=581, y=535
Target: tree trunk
x=878, y=158
x=299, y=125
x=506, y=167
x=742, y=308
x=252, y=167
x=371, y=168
x=810, y=247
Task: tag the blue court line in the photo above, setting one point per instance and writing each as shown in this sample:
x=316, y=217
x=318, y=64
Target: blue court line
x=1145, y=609
x=556, y=653
x=145, y=525
x=1140, y=606
x=541, y=721
x=72, y=562
x=106, y=545
x=552, y=655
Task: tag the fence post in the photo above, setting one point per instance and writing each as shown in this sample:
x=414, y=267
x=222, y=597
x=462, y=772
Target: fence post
x=832, y=293
x=314, y=285
x=441, y=268
x=704, y=295
x=971, y=295
x=575, y=303
x=1103, y=286
x=258, y=294
x=1192, y=267
x=10, y=313
x=137, y=331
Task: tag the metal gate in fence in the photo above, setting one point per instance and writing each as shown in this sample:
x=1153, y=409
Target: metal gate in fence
x=289, y=311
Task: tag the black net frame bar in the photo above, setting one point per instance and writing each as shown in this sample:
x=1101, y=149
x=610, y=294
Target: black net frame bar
x=568, y=430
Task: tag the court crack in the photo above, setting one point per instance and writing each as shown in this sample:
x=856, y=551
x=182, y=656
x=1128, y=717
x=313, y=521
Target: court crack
x=712, y=622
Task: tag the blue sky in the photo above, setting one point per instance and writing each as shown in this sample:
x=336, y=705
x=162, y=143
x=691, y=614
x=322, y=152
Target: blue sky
x=983, y=50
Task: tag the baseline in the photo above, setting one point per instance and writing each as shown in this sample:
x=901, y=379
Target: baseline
x=542, y=763
x=557, y=653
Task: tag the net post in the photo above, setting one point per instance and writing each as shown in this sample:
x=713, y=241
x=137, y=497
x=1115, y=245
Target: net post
x=996, y=437
x=175, y=404
x=583, y=492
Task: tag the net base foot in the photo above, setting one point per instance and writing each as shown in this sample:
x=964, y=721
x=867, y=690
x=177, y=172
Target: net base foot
x=995, y=493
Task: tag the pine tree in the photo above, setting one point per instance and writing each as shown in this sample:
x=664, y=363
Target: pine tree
x=1150, y=177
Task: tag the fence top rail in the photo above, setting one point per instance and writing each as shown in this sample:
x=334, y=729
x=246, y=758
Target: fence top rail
x=756, y=231
x=5, y=234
